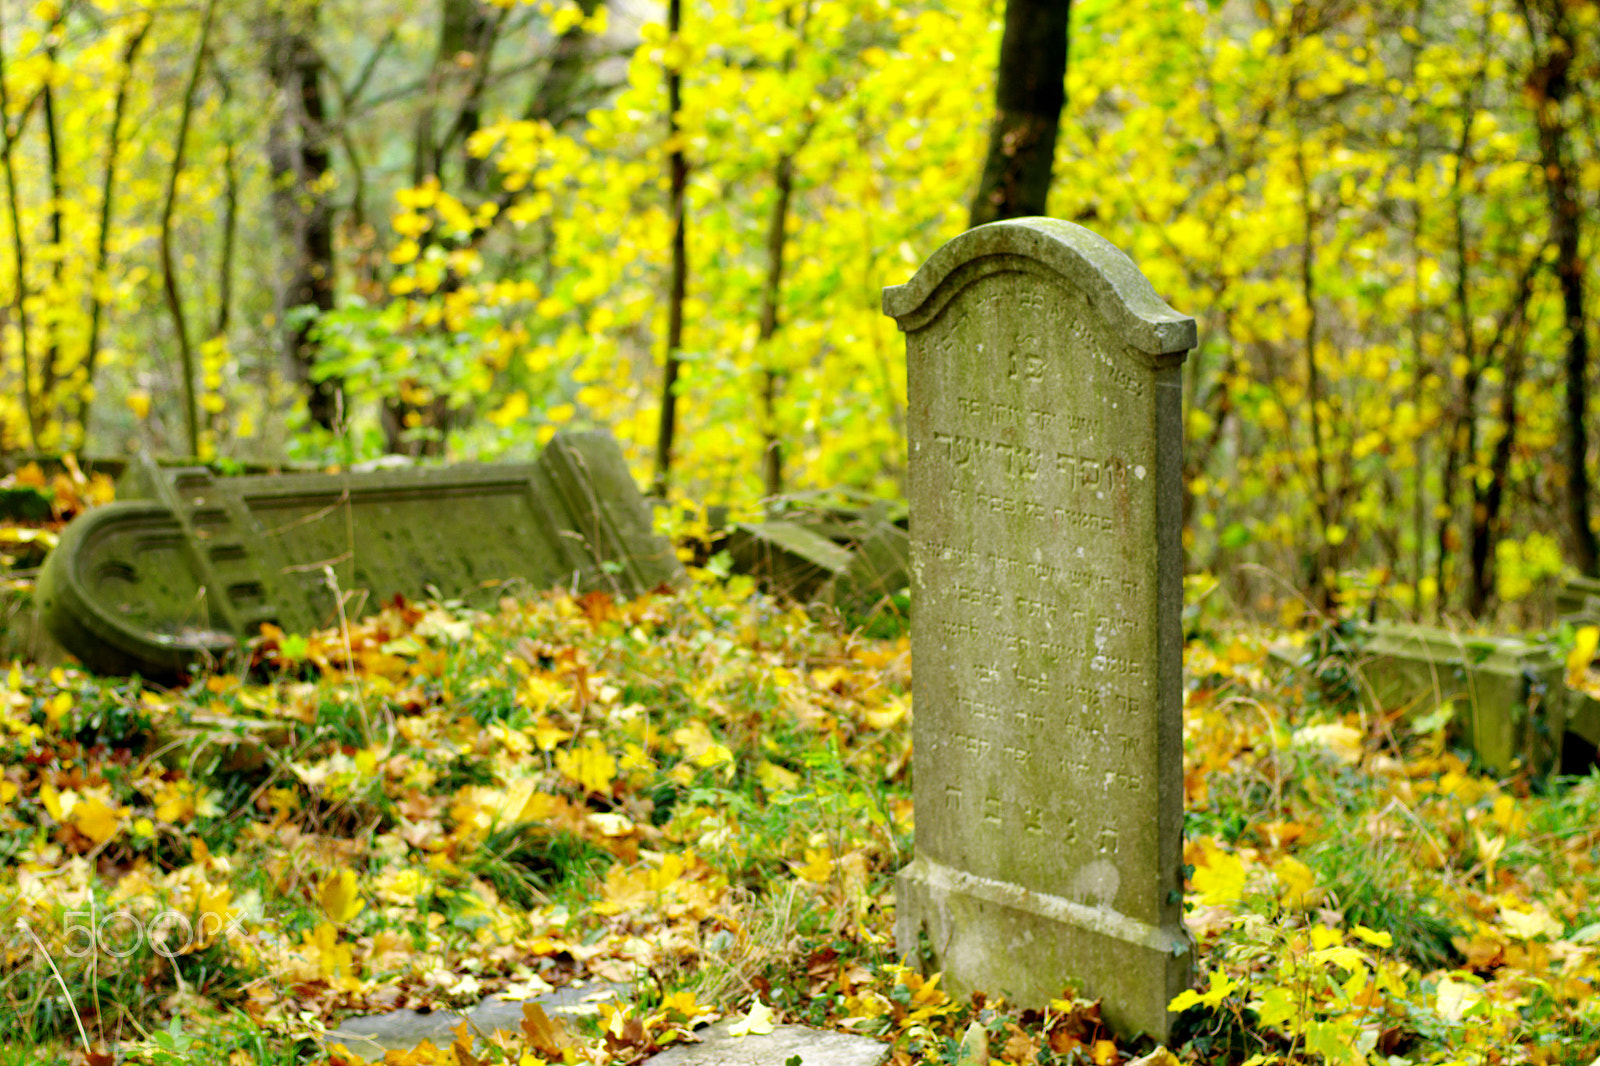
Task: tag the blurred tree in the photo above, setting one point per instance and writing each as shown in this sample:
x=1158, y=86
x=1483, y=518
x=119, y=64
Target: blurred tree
x=1029, y=93
x=298, y=149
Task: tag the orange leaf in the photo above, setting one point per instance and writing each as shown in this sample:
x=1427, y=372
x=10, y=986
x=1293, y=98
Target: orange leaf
x=544, y=1035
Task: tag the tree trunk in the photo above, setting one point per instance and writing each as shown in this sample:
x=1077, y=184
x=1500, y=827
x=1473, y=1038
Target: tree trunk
x=558, y=98
x=169, y=274
x=678, y=166
x=1554, y=38
x=102, y=248
x=467, y=35
x=50, y=367
x=9, y=134
x=1463, y=437
x=772, y=294
x=298, y=150
x=1028, y=100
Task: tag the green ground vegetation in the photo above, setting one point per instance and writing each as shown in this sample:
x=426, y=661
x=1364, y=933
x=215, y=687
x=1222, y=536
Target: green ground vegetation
x=706, y=795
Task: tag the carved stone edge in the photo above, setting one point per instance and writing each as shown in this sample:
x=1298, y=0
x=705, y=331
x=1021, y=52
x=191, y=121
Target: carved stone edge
x=1084, y=259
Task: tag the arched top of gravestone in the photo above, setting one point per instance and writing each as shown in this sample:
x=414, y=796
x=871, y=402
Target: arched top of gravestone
x=1084, y=260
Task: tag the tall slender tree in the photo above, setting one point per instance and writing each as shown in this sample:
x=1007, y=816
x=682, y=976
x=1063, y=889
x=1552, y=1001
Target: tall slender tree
x=1549, y=85
x=298, y=149
x=1029, y=94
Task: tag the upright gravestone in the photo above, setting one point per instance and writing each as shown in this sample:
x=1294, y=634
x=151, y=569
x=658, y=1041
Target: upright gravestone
x=1046, y=435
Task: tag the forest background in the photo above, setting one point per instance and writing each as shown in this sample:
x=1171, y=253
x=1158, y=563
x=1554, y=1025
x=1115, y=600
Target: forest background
x=321, y=230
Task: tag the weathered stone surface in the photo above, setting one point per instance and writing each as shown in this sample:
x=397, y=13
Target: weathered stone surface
x=1045, y=441
x=879, y=567
x=1578, y=600
x=785, y=557
x=372, y=1035
x=152, y=585
x=816, y=1047
x=842, y=515
x=1580, y=748
x=1510, y=695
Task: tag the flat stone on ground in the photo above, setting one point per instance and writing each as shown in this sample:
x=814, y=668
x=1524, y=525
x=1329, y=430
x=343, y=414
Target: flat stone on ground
x=370, y=1036
x=815, y=1047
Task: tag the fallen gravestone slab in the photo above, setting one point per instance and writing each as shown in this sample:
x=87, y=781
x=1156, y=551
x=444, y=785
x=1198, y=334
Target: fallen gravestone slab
x=1578, y=600
x=785, y=558
x=879, y=567
x=373, y=1035
x=1510, y=696
x=814, y=1047
x=152, y=586
x=1045, y=438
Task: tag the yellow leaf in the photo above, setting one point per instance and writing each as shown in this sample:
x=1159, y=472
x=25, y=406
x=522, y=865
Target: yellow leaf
x=332, y=957
x=818, y=866
x=96, y=819
x=138, y=402
x=757, y=1022
x=1377, y=939
x=1324, y=937
x=52, y=802
x=1221, y=880
x=1525, y=925
x=341, y=897
x=1454, y=998
x=1221, y=986
x=514, y=410
x=683, y=1004
x=1583, y=650
x=1298, y=882
x=590, y=767
x=1344, y=957
x=58, y=706
x=974, y=1050
x=1103, y=1052
x=775, y=778
x=1339, y=740
x=1159, y=1057
x=887, y=716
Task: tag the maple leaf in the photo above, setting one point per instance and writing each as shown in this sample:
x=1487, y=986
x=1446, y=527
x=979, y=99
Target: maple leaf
x=590, y=767
x=333, y=958
x=340, y=897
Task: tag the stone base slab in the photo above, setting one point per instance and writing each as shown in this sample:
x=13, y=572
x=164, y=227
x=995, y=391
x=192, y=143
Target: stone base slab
x=1001, y=939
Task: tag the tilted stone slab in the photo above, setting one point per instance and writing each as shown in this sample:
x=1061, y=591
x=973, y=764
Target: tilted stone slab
x=1044, y=474
x=879, y=567
x=1510, y=695
x=150, y=586
x=1578, y=600
x=786, y=558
